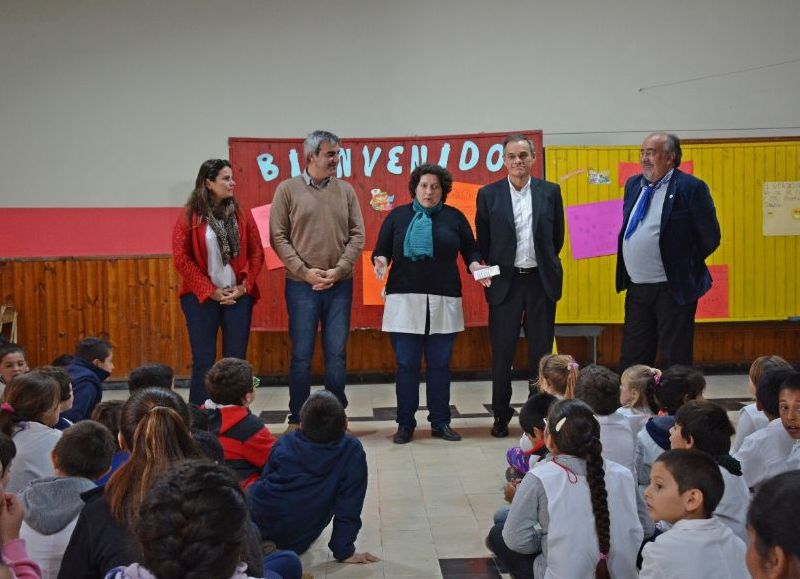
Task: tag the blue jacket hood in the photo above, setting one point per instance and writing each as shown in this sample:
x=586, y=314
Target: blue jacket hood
x=658, y=429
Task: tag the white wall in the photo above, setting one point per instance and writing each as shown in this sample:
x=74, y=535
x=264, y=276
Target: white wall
x=117, y=102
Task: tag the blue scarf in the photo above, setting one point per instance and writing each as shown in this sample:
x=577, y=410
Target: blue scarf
x=418, y=243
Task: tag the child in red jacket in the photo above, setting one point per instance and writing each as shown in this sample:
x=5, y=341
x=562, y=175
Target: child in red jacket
x=244, y=438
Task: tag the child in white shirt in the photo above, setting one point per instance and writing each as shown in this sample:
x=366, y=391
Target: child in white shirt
x=632, y=398
x=705, y=426
x=764, y=453
x=685, y=488
x=575, y=514
x=774, y=548
x=751, y=418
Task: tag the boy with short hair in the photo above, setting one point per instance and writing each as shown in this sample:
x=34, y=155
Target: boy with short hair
x=705, y=426
x=314, y=474
x=685, y=488
x=151, y=375
x=246, y=441
x=789, y=409
x=52, y=504
x=90, y=367
x=599, y=387
x=764, y=453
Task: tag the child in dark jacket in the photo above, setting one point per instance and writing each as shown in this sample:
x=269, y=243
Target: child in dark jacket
x=90, y=367
x=244, y=438
x=314, y=474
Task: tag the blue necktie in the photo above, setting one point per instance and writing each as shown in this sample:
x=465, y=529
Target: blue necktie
x=642, y=207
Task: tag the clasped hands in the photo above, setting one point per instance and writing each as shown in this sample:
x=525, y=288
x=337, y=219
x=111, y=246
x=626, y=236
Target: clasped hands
x=229, y=295
x=321, y=279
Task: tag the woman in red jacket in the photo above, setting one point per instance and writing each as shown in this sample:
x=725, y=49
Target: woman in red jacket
x=217, y=251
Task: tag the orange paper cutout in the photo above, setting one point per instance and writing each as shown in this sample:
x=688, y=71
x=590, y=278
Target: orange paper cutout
x=372, y=288
x=463, y=197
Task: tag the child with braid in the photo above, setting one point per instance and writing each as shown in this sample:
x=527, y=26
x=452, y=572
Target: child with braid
x=575, y=514
x=705, y=426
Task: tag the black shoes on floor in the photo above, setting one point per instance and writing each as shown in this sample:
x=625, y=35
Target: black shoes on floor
x=403, y=435
x=446, y=433
x=500, y=428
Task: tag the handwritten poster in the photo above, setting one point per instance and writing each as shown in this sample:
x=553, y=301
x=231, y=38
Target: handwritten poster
x=463, y=197
x=594, y=228
x=716, y=302
x=371, y=286
x=627, y=170
x=781, y=208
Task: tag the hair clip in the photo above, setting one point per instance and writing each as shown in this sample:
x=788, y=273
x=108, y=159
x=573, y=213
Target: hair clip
x=572, y=366
x=657, y=379
x=603, y=557
x=6, y=407
x=560, y=424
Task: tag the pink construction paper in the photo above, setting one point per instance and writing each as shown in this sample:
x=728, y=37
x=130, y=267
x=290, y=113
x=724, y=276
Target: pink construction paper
x=594, y=228
x=261, y=216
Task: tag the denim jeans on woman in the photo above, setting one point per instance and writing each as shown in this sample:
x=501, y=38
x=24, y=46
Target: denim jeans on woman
x=329, y=309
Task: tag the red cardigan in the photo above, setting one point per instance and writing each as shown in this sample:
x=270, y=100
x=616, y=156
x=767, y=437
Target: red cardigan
x=190, y=255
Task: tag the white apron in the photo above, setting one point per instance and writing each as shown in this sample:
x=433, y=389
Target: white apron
x=572, y=549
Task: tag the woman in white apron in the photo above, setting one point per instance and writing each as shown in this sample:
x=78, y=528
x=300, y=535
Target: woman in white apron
x=575, y=514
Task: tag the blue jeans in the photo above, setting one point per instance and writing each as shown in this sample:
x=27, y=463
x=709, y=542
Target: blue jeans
x=408, y=349
x=307, y=309
x=203, y=322
x=283, y=565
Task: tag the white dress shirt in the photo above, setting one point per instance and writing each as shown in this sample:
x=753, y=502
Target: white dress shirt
x=522, y=206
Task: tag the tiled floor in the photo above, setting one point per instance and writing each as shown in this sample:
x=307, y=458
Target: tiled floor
x=429, y=503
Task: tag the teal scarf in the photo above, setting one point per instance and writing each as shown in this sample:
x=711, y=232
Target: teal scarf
x=418, y=243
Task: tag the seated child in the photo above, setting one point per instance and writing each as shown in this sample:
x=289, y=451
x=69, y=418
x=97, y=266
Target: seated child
x=194, y=523
x=599, y=388
x=12, y=362
x=531, y=447
x=789, y=408
x=632, y=398
x=90, y=367
x=315, y=474
x=66, y=393
x=30, y=411
x=574, y=515
x=108, y=414
x=678, y=384
x=244, y=438
x=685, y=488
x=705, y=426
x=763, y=454
x=558, y=374
x=774, y=548
x=52, y=504
x=151, y=376
x=750, y=417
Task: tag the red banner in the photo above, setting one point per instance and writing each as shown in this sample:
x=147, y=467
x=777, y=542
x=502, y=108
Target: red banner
x=379, y=170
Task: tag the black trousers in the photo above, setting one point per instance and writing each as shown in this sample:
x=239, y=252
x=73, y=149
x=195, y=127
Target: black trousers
x=520, y=566
x=653, y=319
x=525, y=305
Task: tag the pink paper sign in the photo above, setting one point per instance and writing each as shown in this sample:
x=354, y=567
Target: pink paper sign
x=261, y=217
x=594, y=228
x=716, y=302
x=627, y=170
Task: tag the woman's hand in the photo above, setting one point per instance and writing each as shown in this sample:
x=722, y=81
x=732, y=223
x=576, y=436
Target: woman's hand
x=475, y=266
x=380, y=264
x=11, y=514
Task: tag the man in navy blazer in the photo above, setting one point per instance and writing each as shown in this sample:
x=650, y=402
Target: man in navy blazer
x=669, y=228
x=520, y=227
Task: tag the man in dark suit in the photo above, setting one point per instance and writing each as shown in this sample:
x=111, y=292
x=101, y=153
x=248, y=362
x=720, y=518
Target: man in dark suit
x=669, y=228
x=520, y=227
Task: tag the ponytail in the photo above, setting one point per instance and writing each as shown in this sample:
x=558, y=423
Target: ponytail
x=160, y=422
x=561, y=372
x=577, y=432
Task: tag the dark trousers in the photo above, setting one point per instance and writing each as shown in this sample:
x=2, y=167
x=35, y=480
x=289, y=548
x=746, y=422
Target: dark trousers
x=653, y=319
x=408, y=349
x=308, y=309
x=203, y=322
x=520, y=566
x=526, y=304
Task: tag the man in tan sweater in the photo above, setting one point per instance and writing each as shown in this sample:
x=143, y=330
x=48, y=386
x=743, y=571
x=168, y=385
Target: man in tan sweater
x=317, y=230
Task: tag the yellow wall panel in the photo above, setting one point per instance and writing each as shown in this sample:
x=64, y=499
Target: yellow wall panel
x=762, y=271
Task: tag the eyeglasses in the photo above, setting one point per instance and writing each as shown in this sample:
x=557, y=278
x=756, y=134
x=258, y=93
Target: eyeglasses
x=256, y=381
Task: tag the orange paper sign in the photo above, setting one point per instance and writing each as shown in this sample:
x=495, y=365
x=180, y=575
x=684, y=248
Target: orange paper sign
x=463, y=197
x=371, y=286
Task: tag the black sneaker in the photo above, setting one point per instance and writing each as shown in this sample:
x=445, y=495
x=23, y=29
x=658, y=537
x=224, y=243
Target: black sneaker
x=403, y=435
x=500, y=428
x=446, y=433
